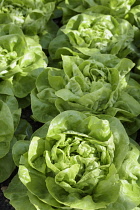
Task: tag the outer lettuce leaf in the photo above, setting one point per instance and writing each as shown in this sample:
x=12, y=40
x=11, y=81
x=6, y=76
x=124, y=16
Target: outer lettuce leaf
x=82, y=161
x=48, y=34
x=133, y=16
x=117, y=8
x=23, y=133
x=133, y=91
x=7, y=129
x=24, y=130
x=19, y=148
x=17, y=194
x=25, y=199
x=97, y=85
x=7, y=96
x=129, y=174
x=24, y=102
x=12, y=128
x=8, y=124
x=7, y=164
x=9, y=107
x=103, y=32
x=39, y=205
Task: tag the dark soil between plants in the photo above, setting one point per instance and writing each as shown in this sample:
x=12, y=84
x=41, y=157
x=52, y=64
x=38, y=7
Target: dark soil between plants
x=4, y=202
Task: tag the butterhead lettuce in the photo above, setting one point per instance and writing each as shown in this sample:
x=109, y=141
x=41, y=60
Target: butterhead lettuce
x=96, y=85
x=21, y=59
x=84, y=32
x=81, y=160
x=33, y=17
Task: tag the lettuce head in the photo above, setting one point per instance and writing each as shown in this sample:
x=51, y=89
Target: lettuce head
x=99, y=85
x=21, y=59
x=84, y=162
x=84, y=33
x=33, y=17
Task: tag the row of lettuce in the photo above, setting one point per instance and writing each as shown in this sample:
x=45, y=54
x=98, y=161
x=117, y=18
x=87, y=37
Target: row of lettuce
x=81, y=78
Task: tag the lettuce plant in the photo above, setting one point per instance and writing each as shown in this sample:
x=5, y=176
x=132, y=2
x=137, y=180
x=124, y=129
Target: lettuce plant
x=85, y=33
x=83, y=82
x=84, y=162
x=33, y=17
x=96, y=85
x=21, y=59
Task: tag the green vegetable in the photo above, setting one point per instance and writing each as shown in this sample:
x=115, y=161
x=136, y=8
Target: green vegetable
x=9, y=119
x=32, y=16
x=73, y=68
x=85, y=33
x=85, y=162
x=96, y=85
x=21, y=59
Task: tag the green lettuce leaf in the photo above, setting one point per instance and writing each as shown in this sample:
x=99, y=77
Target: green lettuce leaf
x=18, y=195
x=7, y=128
x=7, y=164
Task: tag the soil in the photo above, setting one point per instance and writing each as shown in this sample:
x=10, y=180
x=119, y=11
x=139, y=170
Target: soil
x=4, y=202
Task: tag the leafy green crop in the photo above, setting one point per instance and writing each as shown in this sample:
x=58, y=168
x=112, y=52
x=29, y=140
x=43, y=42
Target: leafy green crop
x=85, y=33
x=101, y=84
x=21, y=59
x=32, y=16
x=70, y=104
x=85, y=162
